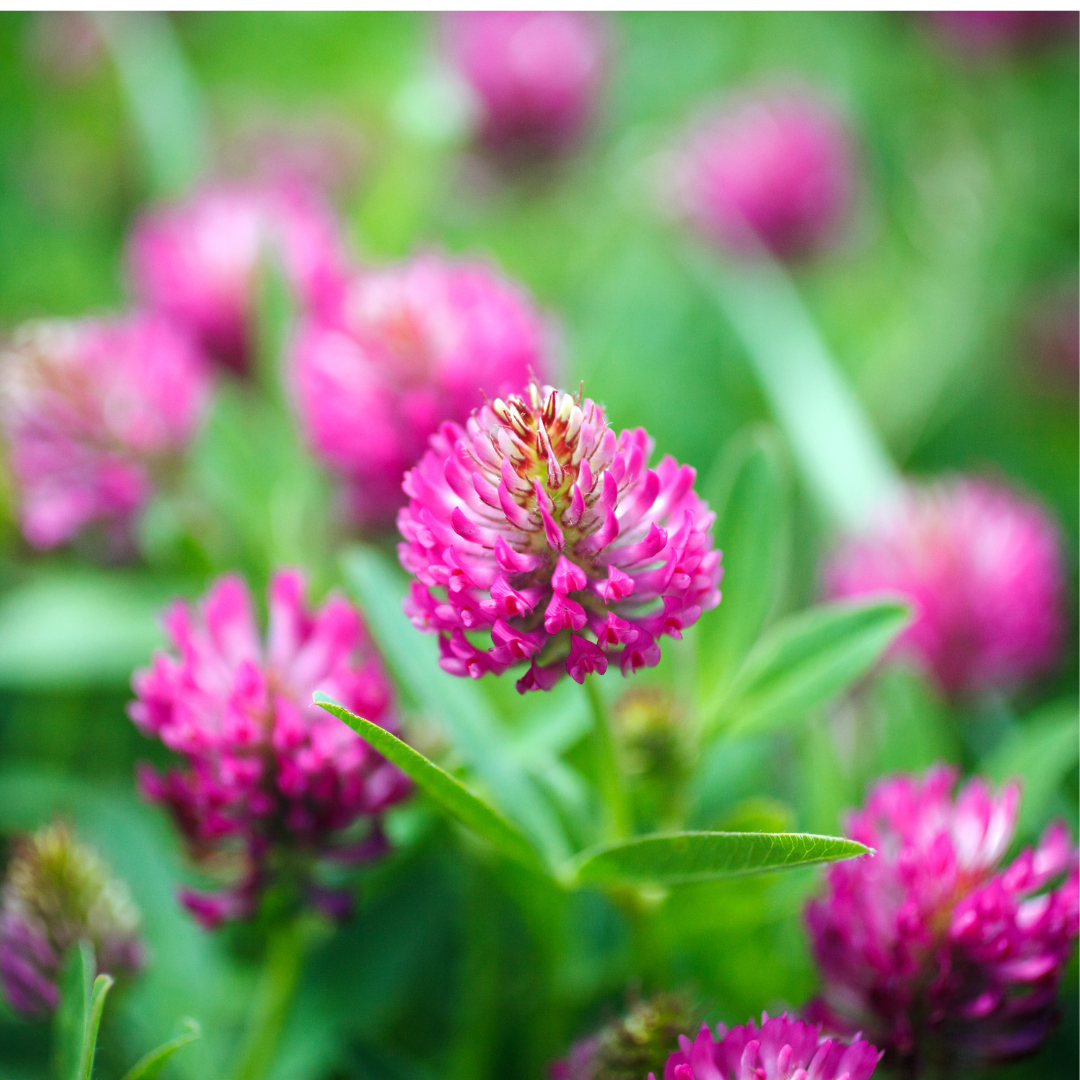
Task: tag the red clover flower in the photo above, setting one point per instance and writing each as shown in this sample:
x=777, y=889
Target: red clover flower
x=930, y=945
x=407, y=348
x=783, y=1048
x=269, y=774
x=984, y=571
x=91, y=409
x=537, y=531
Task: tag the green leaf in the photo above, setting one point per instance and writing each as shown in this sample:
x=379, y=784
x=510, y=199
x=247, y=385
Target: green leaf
x=466, y=716
x=804, y=661
x=76, y=990
x=1040, y=753
x=831, y=436
x=77, y=628
x=673, y=858
x=102, y=985
x=150, y=1064
x=452, y=795
x=748, y=490
x=164, y=101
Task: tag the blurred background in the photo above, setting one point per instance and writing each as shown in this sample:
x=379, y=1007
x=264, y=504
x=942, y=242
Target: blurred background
x=947, y=301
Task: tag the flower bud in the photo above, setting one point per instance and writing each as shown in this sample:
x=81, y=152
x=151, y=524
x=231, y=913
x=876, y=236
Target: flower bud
x=633, y=1045
x=57, y=893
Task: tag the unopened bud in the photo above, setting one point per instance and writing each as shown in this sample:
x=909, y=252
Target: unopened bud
x=58, y=892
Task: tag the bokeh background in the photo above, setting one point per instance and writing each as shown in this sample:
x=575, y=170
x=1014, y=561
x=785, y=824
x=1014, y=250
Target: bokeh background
x=949, y=304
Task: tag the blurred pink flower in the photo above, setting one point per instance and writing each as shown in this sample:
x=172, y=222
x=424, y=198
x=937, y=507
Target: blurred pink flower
x=268, y=772
x=931, y=947
x=536, y=524
x=980, y=32
x=409, y=347
x=319, y=151
x=782, y=1048
x=536, y=74
x=983, y=570
x=775, y=169
x=1052, y=338
x=89, y=408
x=197, y=262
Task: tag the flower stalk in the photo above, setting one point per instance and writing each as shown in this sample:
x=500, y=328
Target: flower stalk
x=274, y=996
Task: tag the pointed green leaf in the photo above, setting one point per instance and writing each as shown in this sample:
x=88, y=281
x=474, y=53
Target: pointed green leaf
x=76, y=990
x=149, y=1066
x=102, y=985
x=748, y=490
x=836, y=446
x=804, y=661
x=673, y=858
x=166, y=107
x=465, y=714
x=449, y=792
x=1040, y=753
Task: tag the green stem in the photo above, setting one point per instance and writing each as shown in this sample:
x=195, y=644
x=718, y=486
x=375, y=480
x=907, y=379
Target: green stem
x=612, y=787
x=273, y=999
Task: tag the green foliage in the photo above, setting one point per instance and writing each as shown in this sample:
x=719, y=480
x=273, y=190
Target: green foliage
x=149, y=1066
x=748, y=489
x=831, y=437
x=78, y=1022
x=78, y=628
x=448, y=792
x=1040, y=753
x=803, y=662
x=698, y=856
x=465, y=717
x=102, y=985
x=72, y=1017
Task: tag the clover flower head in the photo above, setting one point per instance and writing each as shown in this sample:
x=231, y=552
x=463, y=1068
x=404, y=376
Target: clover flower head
x=538, y=531
x=630, y=1046
x=773, y=169
x=536, y=74
x=57, y=893
x=90, y=409
x=269, y=776
x=783, y=1048
x=409, y=347
x=197, y=261
x=984, y=571
x=931, y=945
